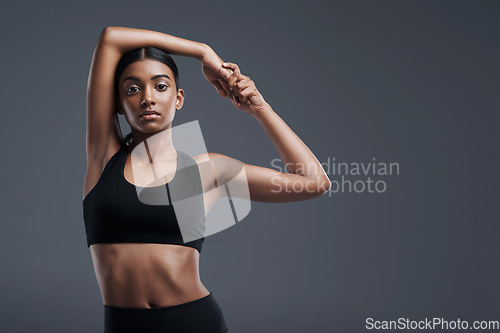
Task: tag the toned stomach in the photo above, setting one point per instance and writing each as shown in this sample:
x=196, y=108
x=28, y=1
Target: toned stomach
x=143, y=275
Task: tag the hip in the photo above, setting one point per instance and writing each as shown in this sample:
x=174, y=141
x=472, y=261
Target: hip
x=203, y=315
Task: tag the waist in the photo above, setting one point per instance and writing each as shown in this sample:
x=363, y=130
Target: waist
x=147, y=275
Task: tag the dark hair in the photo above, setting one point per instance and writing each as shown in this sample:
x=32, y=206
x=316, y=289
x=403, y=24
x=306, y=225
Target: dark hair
x=148, y=52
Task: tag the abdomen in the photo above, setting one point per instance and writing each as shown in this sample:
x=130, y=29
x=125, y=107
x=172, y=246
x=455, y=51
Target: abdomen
x=147, y=275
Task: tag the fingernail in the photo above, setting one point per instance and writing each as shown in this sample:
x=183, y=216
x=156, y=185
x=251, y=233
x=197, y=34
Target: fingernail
x=225, y=64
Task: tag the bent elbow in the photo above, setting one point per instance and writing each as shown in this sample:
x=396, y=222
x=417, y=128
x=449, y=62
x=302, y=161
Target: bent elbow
x=317, y=187
x=324, y=187
x=105, y=32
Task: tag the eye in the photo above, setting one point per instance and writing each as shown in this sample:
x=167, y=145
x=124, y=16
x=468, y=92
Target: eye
x=162, y=86
x=129, y=90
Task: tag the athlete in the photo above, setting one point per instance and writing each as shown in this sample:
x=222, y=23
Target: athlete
x=148, y=276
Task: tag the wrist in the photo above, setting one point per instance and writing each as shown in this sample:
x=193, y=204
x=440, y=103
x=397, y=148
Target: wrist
x=262, y=112
x=203, y=49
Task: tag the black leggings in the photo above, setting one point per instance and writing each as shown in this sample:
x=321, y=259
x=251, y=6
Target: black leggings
x=203, y=315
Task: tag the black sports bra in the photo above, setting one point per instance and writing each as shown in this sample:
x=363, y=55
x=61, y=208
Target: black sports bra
x=113, y=213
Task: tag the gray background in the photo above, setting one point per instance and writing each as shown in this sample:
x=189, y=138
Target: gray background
x=412, y=82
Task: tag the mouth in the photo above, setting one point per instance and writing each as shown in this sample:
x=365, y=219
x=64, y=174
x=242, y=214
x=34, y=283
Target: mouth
x=149, y=114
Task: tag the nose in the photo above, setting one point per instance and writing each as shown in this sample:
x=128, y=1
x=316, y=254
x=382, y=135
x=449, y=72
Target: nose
x=147, y=98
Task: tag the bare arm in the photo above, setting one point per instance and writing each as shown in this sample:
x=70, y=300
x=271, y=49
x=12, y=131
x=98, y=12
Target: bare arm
x=126, y=39
x=103, y=129
x=305, y=170
x=102, y=120
x=306, y=178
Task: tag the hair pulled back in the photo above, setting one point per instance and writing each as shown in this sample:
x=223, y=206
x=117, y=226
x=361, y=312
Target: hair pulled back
x=139, y=54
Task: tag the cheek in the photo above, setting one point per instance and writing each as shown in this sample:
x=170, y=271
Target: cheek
x=129, y=104
x=167, y=99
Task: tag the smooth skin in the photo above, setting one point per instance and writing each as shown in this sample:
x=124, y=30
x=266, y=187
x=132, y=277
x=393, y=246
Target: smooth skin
x=157, y=275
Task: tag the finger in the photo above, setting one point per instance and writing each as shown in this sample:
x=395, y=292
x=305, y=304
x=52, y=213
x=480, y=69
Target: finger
x=245, y=93
x=225, y=73
x=250, y=92
x=221, y=81
x=231, y=81
x=219, y=88
x=234, y=79
x=225, y=86
x=240, y=85
x=232, y=66
x=235, y=100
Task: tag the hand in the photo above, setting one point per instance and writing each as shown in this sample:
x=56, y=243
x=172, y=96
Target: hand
x=211, y=65
x=243, y=93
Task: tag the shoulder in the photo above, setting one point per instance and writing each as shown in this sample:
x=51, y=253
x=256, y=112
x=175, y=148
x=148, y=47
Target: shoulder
x=216, y=160
x=207, y=157
x=218, y=167
x=212, y=156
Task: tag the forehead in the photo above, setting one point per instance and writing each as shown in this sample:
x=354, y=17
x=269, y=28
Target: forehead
x=146, y=68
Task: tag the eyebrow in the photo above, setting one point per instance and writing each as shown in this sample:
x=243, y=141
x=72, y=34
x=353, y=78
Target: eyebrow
x=152, y=78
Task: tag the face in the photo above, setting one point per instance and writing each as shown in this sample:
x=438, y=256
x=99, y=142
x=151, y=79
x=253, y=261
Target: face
x=144, y=86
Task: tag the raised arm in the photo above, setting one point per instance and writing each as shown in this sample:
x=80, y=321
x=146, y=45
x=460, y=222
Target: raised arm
x=127, y=39
x=103, y=131
x=305, y=178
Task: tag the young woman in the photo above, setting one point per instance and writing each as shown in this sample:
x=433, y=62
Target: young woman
x=149, y=278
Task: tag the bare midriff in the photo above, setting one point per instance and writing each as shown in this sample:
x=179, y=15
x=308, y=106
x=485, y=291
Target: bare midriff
x=143, y=275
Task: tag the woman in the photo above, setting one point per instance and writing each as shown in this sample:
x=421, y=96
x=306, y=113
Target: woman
x=149, y=278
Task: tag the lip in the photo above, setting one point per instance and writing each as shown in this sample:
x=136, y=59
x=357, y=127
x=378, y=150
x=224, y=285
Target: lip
x=148, y=112
x=150, y=116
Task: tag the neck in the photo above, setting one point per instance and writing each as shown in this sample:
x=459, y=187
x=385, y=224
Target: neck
x=158, y=145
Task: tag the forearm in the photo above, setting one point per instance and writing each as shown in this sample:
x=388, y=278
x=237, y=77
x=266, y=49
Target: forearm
x=296, y=156
x=127, y=39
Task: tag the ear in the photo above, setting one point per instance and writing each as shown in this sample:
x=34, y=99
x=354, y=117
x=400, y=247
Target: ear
x=180, y=99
